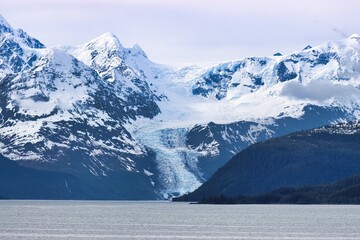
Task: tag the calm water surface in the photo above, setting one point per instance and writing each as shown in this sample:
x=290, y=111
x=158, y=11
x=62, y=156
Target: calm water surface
x=165, y=220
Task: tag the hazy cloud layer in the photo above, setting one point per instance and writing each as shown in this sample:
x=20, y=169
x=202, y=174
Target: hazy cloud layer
x=319, y=90
x=176, y=31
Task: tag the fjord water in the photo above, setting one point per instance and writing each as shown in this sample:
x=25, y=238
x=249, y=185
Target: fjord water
x=166, y=220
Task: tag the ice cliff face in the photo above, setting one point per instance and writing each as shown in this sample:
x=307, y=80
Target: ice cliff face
x=111, y=117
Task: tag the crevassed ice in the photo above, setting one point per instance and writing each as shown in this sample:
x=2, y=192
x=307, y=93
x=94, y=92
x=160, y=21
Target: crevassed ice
x=177, y=164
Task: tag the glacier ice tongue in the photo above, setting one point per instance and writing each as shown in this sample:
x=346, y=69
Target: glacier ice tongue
x=177, y=164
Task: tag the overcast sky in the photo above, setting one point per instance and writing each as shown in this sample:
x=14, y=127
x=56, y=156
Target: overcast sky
x=189, y=31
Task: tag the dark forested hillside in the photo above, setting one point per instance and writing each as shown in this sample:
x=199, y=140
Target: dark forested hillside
x=20, y=182
x=307, y=158
x=345, y=191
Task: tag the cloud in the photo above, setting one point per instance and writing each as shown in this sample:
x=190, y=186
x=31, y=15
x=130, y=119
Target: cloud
x=320, y=91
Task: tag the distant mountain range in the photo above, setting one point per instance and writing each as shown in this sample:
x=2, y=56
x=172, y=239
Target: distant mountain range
x=308, y=158
x=105, y=115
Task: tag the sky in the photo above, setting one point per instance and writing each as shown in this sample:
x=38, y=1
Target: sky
x=177, y=32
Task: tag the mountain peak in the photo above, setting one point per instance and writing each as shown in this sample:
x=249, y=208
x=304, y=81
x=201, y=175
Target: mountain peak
x=355, y=37
x=307, y=47
x=107, y=39
x=5, y=26
x=137, y=50
x=108, y=35
x=19, y=34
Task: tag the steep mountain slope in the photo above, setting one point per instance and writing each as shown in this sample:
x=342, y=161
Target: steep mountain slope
x=313, y=157
x=59, y=114
x=108, y=115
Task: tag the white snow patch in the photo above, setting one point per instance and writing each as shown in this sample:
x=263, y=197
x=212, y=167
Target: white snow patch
x=147, y=173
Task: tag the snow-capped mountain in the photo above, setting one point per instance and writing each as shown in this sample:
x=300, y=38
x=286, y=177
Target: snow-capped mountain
x=127, y=69
x=111, y=117
x=58, y=113
x=331, y=61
